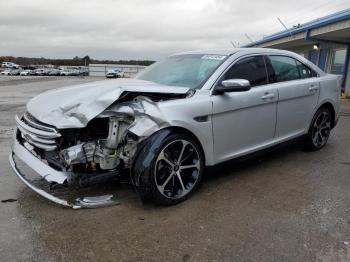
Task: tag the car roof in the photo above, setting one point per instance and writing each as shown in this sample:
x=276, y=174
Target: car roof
x=233, y=51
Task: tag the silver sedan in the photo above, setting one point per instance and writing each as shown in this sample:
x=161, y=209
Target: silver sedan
x=161, y=129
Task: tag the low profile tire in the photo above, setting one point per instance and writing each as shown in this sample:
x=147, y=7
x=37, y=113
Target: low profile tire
x=319, y=130
x=169, y=168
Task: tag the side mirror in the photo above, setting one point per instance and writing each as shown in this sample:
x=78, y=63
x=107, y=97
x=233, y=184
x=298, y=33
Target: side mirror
x=233, y=85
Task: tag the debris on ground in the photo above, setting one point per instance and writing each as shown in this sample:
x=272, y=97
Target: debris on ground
x=9, y=200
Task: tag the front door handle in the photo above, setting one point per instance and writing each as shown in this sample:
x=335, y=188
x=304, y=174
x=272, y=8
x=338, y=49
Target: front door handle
x=313, y=88
x=268, y=96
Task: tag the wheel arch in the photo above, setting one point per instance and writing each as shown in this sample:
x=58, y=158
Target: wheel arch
x=166, y=131
x=182, y=130
x=328, y=105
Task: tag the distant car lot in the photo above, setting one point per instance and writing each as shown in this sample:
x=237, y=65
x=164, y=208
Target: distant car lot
x=8, y=68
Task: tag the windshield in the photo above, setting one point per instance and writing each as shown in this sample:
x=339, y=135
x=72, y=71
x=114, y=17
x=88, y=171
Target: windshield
x=190, y=70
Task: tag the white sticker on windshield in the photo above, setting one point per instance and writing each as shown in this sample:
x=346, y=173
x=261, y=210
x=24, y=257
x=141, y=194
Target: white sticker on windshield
x=214, y=57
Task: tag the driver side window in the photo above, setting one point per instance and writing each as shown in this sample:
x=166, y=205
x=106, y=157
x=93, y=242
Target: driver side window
x=250, y=68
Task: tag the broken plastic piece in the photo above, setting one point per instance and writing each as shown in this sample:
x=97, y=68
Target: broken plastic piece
x=86, y=202
x=94, y=202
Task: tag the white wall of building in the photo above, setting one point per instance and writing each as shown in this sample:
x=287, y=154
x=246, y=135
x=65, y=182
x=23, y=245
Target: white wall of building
x=101, y=69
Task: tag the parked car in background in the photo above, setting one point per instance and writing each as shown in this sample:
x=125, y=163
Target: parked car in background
x=28, y=67
x=159, y=128
x=74, y=72
x=65, y=72
x=115, y=73
x=55, y=72
x=46, y=71
x=38, y=72
x=84, y=71
x=25, y=72
x=15, y=72
x=33, y=72
x=6, y=72
x=9, y=65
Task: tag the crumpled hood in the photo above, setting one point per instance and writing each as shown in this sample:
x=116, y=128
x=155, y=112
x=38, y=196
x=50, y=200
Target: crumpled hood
x=75, y=106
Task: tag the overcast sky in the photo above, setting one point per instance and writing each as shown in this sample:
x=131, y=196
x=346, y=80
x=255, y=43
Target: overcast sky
x=144, y=29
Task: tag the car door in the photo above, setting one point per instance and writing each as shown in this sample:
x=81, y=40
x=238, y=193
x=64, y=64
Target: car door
x=244, y=121
x=298, y=90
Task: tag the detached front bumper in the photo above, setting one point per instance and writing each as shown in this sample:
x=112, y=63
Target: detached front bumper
x=51, y=176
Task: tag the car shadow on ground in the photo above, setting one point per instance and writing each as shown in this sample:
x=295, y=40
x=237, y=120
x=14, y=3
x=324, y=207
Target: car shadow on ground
x=126, y=195
x=238, y=165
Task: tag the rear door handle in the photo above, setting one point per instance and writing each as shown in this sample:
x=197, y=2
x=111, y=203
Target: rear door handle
x=268, y=96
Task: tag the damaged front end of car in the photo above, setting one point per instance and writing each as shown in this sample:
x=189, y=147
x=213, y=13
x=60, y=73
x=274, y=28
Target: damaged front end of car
x=99, y=152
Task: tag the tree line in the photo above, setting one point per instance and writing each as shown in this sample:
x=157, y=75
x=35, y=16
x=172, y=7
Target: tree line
x=75, y=61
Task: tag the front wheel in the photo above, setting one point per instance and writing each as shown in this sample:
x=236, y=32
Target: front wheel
x=319, y=130
x=174, y=170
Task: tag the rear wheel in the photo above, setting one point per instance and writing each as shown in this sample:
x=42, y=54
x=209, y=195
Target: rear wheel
x=174, y=172
x=319, y=130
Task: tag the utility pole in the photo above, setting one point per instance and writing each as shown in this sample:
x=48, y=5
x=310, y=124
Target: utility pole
x=284, y=26
x=247, y=36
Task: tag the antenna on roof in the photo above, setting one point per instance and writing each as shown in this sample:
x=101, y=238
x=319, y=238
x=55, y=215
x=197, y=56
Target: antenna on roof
x=247, y=36
x=233, y=44
x=284, y=26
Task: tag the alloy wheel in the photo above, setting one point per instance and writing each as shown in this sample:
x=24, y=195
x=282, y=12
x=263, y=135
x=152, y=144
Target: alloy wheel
x=177, y=169
x=321, y=129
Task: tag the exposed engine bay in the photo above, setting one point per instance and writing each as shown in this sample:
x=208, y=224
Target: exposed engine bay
x=106, y=146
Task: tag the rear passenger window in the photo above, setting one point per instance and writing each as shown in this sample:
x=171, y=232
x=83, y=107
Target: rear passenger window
x=304, y=71
x=285, y=68
x=251, y=68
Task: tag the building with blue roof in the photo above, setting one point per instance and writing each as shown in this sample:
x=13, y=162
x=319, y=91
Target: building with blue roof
x=324, y=41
